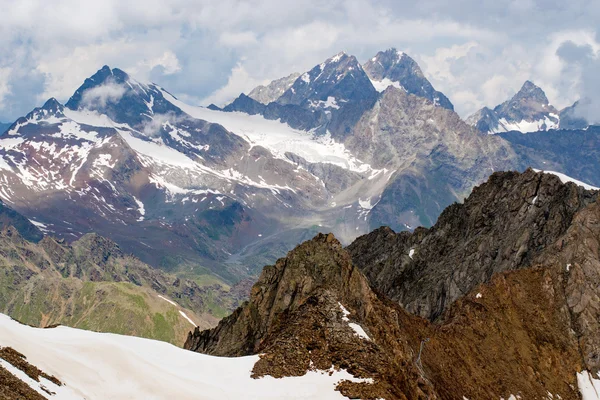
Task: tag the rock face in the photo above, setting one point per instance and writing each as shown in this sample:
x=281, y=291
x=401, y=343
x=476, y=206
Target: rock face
x=437, y=158
x=510, y=278
x=502, y=226
x=274, y=90
x=395, y=68
x=527, y=111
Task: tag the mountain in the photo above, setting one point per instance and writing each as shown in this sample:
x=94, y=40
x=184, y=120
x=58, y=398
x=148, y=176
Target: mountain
x=92, y=284
x=171, y=188
x=392, y=67
x=515, y=314
x=274, y=90
x=215, y=195
x=328, y=99
x=435, y=156
x=527, y=111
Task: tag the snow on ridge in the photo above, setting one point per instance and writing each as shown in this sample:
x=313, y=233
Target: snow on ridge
x=278, y=137
x=96, y=365
x=565, y=178
x=358, y=330
x=383, y=84
x=526, y=126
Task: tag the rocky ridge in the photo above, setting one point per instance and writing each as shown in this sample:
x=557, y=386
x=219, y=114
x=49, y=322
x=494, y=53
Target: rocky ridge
x=524, y=324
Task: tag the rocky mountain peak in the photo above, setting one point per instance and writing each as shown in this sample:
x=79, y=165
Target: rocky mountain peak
x=382, y=65
x=529, y=98
x=52, y=109
x=527, y=111
x=317, y=266
x=272, y=91
x=395, y=68
x=113, y=92
x=337, y=80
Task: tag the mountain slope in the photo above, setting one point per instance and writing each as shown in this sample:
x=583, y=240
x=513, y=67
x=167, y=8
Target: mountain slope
x=528, y=330
x=572, y=152
x=503, y=225
x=436, y=157
x=527, y=111
x=395, y=68
x=92, y=284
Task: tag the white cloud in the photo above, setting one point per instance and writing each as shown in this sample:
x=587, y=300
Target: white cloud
x=5, y=88
x=239, y=82
x=100, y=96
x=168, y=61
x=477, y=53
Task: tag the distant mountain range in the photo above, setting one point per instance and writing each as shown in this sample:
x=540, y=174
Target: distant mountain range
x=221, y=192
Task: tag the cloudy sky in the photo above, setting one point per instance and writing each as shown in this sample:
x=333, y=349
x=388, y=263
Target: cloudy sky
x=478, y=52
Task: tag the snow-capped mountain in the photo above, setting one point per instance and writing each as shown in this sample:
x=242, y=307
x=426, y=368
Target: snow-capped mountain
x=395, y=68
x=527, y=111
x=131, y=162
x=327, y=99
x=230, y=190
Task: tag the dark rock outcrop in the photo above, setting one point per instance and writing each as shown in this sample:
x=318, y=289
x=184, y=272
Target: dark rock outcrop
x=503, y=225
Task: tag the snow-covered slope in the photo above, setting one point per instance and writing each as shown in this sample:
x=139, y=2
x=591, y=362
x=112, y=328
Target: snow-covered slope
x=106, y=366
x=279, y=138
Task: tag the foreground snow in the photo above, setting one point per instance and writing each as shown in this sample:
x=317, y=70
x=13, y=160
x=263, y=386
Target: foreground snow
x=107, y=366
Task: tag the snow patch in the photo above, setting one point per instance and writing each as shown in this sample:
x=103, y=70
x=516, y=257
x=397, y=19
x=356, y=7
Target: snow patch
x=383, y=84
x=358, y=330
x=526, y=126
x=170, y=301
x=188, y=318
x=411, y=253
x=59, y=392
x=141, y=208
x=565, y=178
x=589, y=387
x=108, y=366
